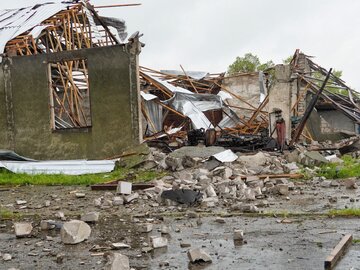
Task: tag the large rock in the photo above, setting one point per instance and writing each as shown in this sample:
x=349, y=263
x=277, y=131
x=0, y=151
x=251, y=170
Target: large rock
x=199, y=255
x=74, y=232
x=117, y=261
x=23, y=229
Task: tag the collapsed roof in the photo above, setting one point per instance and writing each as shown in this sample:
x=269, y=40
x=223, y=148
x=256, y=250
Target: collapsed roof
x=55, y=26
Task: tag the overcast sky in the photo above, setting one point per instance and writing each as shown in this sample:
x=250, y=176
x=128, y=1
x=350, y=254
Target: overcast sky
x=208, y=34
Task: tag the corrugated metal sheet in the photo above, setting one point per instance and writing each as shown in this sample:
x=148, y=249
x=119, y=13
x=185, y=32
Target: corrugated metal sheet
x=14, y=22
x=69, y=167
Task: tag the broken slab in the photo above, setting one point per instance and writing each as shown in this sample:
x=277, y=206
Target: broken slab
x=90, y=217
x=117, y=261
x=131, y=197
x=158, y=241
x=23, y=229
x=199, y=255
x=74, y=232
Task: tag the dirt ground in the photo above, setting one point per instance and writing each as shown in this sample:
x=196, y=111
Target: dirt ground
x=302, y=241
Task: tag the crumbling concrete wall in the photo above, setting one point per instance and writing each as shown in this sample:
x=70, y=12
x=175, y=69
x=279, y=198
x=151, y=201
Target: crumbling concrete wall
x=281, y=95
x=25, y=116
x=246, y=86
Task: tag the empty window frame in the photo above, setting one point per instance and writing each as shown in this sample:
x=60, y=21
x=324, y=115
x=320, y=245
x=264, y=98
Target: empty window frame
x=69, y=94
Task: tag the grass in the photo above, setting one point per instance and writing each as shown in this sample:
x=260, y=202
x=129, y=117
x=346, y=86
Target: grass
x=6, y=214
x=349, y=168
x=349, y=212
x=356, y=241
x=127, y=174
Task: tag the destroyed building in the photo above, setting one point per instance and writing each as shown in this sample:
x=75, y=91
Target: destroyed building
x=68, y=82
x=249, y=110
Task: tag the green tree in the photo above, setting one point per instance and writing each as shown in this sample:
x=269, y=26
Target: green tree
x=248, y=63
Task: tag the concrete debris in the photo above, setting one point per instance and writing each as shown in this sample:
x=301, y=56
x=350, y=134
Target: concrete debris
x=145, y=228
x=49, y=225
x=80, y=195
x=238, y=235
x=158, y=241
x=131, y=197
x=21, y=202
x=90, y=217
x=165, y=229
x=199, y=255
x=74, y=232
x=350, y=183
x=185, y=244
x=117, y=261
x=23, y=229
x=119, y=245
x=6, y=257
x=117, y=200
x=124, y=188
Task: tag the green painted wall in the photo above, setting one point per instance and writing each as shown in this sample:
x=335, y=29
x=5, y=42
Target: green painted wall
x=112, y=82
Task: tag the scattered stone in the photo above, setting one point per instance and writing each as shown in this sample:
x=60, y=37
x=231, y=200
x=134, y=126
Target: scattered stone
x=74, y=232
x=124, y=188
x=334, y=183
x=158, y=241
x=145, y=228
x=21, y=202
x=47, y=203
x=90, y=217
x=325, y=183
x=60, y=258
x=117, y=200
x=238, y=235
x=6, y=257
x=80, y=195
x=220, y=220
x=49, y=225
x=164, y=263
x=131, y=197
x=350, y=183
x=23, y=229
x=198, y=255
x=210, y=191
x=245, y=208
x=165, y=229
x=185, y=244
x=119, y=245
x=283, y=189
x=60, y=215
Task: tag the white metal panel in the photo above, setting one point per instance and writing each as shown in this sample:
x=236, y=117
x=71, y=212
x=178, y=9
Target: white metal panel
x=69, y=167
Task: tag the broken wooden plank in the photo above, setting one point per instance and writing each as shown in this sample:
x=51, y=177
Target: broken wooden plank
x=113, y=185
x=284, y=175
x=338, y=251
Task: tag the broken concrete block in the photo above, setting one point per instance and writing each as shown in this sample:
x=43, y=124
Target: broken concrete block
x=220, y=220
x=21, y=202
x=145, y=228
x=158, y=241
x=22, y=229
x=350, y=183
x=131, y=197
x=185, y=244
x=199, y=255
x=165, y=229
x=60, y=215
x=6, y=257
x=119, y=245
x=223, y=172
x=90, y=217
x=124, y=188
x=117, y=200
x=80, y=195
x=245, y=208
x=74, y=232
x=117, y=261
x=238, y=235
x=210, y=191
x=49, y=225
x=283, y=189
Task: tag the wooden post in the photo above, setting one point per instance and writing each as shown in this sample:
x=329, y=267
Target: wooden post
x=336, y=253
